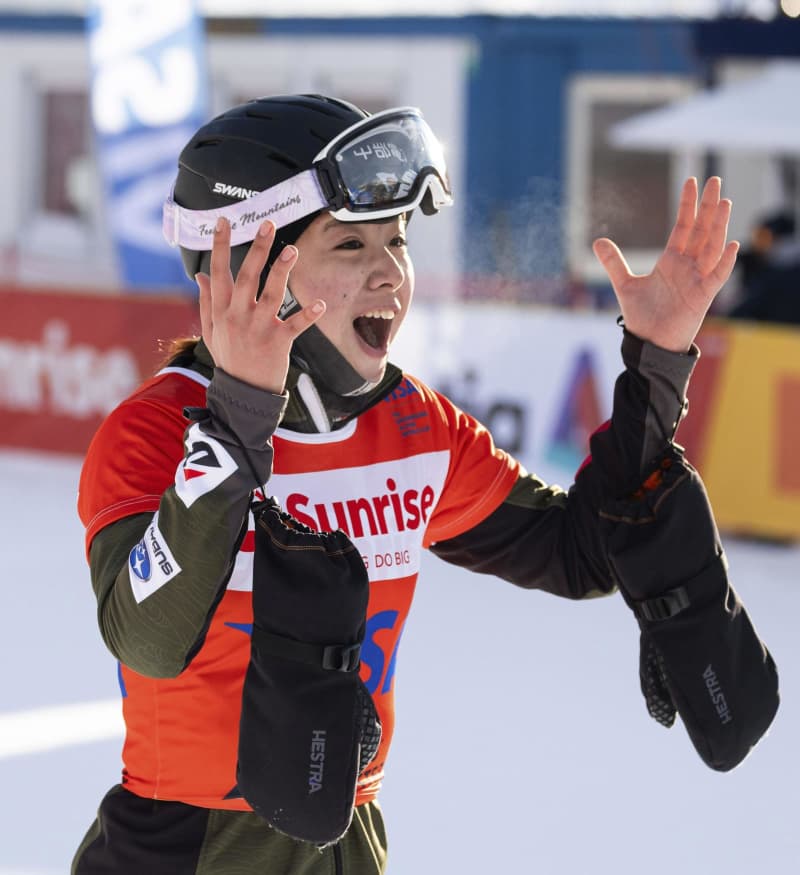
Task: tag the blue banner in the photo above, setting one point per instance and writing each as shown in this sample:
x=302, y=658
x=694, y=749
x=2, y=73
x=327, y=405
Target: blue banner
x=149, y=94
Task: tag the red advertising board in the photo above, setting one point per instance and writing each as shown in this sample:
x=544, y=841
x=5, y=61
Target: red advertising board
x=67, y=359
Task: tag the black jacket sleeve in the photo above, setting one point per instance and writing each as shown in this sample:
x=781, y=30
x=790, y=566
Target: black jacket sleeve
x=638, y=519
x=546, y=538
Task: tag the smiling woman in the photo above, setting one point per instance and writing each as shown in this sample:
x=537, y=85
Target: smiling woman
x=289, y=400
x=364, y=275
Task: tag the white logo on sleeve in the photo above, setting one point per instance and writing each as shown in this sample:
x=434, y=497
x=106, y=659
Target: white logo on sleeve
x=151, y=563
x=206, y=464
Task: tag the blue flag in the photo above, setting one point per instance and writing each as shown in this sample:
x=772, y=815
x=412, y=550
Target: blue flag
x=149, y=94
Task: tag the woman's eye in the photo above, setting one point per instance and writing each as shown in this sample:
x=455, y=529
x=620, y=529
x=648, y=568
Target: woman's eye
x=350, y=244
x=399, y=241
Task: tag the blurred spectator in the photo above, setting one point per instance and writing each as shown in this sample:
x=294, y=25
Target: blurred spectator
x=770, y=272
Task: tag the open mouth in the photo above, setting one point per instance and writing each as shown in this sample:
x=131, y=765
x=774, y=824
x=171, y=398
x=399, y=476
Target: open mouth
x=374, y=328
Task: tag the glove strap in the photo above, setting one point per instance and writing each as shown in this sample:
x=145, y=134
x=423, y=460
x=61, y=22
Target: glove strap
x=333, y=657
x=664, y=606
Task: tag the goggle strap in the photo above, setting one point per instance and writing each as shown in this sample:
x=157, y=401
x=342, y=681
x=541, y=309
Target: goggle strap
x=282, y=204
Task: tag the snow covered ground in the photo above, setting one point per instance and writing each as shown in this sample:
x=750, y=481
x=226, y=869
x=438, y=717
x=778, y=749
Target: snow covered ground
x=522, y=745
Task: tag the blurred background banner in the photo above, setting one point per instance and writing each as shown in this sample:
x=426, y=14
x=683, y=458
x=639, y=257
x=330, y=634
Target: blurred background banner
x=149, y=92
x=543, y=396
x=67, y=359
x=743, y=428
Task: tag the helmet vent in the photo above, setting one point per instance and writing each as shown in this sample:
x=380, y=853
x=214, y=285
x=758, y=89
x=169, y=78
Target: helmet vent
x=321, y=137
x=252, y=111
x=283, y=158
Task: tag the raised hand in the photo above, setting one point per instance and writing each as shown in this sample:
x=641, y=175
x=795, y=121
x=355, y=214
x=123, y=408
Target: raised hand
x=667, y=306
x=242, y=330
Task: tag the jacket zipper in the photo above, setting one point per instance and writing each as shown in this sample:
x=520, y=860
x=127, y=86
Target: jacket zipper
x=337, y=859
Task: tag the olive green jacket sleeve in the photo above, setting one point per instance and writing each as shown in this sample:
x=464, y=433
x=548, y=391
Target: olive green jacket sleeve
x=156, y=625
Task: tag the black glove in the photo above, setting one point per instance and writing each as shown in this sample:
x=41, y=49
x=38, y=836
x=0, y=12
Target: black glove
x=308, y=726
x=700, y=655
x=663, y=536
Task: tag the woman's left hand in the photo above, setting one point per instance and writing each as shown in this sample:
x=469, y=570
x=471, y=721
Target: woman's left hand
x=667, y=307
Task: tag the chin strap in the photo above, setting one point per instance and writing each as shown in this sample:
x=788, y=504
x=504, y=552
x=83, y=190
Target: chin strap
x=316, y=356
x=314, y=408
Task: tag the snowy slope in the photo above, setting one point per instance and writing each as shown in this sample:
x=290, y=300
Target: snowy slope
x=523, y=744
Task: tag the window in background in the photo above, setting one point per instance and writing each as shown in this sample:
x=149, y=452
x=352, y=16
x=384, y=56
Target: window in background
x=65, y=241
x=628, y=192
x=54, y=227
x=66, y=137
x=626, y=195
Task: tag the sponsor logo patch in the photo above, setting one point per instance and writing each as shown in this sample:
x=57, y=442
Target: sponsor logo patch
x=316, y=765
x=717, y=696
x=140, y=562
x=384, y=508
x=206, y=464
x=151, y=563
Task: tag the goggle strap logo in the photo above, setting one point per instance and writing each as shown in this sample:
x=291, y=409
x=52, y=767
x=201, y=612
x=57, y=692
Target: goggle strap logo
x=283, y=204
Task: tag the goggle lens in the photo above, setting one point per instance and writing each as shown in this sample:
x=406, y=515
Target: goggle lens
x=388, y=164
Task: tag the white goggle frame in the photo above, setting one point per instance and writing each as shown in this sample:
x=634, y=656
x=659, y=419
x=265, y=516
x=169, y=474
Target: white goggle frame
x=302, y=194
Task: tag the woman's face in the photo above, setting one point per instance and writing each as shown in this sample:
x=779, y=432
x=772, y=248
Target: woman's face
x=364, y=274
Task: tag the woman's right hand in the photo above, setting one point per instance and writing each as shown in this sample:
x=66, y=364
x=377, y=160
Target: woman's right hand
x=242, y=330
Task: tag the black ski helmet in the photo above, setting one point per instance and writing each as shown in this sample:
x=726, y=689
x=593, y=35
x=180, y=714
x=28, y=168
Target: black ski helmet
x=252, y=147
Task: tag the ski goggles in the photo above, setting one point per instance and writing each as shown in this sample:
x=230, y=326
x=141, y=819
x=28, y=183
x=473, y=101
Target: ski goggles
x=382, y=166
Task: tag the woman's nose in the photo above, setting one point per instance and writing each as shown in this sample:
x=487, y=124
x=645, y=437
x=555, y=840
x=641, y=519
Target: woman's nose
x=387, y=270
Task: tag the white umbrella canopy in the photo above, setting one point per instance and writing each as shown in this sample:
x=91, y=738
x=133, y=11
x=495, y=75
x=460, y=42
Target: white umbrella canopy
x=759, y=114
